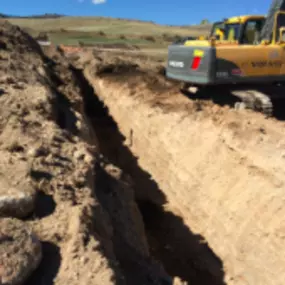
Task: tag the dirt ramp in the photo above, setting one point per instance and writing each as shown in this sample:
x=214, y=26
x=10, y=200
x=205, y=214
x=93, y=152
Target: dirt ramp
x=221, y=171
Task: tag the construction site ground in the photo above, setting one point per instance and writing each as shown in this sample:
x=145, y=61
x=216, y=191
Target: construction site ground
x=110, y=175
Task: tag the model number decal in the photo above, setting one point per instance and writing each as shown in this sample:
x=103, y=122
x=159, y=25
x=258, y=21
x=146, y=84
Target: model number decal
x=176, y=63
x=261, y=64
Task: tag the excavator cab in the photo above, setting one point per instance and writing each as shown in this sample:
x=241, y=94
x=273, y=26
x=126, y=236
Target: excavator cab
x=232, y=29
x=238, y=30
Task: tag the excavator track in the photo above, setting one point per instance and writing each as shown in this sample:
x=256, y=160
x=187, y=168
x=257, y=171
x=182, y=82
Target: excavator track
x=260, y=98
x=254, y=100
x=257, y=98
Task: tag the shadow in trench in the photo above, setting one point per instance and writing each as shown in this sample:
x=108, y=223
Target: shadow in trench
x=171, y=242
x=182, y=253
x=49, y=266
x=116, y=198
x=111, y=143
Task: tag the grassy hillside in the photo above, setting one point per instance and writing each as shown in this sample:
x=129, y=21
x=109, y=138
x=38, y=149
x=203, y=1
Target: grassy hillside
x=94, y=30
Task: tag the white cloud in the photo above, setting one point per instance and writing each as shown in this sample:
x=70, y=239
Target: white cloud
x=97, y=2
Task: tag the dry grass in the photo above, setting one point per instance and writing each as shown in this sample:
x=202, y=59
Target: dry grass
x=107, y=25
x=94, y=30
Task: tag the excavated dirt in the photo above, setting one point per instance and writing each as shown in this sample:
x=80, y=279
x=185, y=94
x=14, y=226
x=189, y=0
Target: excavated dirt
x=110, y=176
x=68, y=214
x=213, y=202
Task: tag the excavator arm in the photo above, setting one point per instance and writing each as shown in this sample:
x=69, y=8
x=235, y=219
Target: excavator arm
x=269, y=25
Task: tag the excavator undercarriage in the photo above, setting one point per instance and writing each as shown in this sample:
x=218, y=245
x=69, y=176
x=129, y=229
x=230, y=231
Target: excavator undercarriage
x=257, y=98
x=254, y=100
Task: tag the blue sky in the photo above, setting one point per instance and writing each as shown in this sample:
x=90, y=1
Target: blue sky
x=174, y=12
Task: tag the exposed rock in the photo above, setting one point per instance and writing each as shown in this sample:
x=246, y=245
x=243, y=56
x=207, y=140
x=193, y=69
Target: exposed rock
x=17, y=196
x=20, y=252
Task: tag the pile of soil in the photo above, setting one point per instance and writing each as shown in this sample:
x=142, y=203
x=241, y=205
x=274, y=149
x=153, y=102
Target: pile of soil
x=126, y=69
x=68, y=216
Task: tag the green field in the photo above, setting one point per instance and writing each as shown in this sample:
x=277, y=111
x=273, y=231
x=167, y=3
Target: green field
x=96, y=30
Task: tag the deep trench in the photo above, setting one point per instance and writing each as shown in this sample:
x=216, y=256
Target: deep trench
x=181, y=252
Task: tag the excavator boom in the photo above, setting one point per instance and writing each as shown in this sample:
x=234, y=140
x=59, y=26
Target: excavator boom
x=268, y=28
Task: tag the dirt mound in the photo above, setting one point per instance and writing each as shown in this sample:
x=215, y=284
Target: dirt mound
x=17, y=195
x=131, y=69
x=20, y=56
x=217, y=178
x=79, y=206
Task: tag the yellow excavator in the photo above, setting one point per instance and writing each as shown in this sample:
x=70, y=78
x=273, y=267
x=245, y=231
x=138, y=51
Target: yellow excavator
x=244, y=55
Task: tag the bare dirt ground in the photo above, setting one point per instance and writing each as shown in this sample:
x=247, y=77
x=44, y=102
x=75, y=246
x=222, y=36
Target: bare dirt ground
x=212, y=187
x=67, y=215
x=109, y=175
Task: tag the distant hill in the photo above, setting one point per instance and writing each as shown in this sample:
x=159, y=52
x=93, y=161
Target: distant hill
x=42, y=16
x=110, y=26
x=102, y=30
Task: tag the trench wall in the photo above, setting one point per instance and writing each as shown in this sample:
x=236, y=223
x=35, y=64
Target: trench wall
x=224, y=177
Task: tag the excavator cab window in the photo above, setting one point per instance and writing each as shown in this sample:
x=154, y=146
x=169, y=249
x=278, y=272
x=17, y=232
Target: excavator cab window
x=251, y=32
x=226, y=31
x=232, y=31
x=217, y=30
